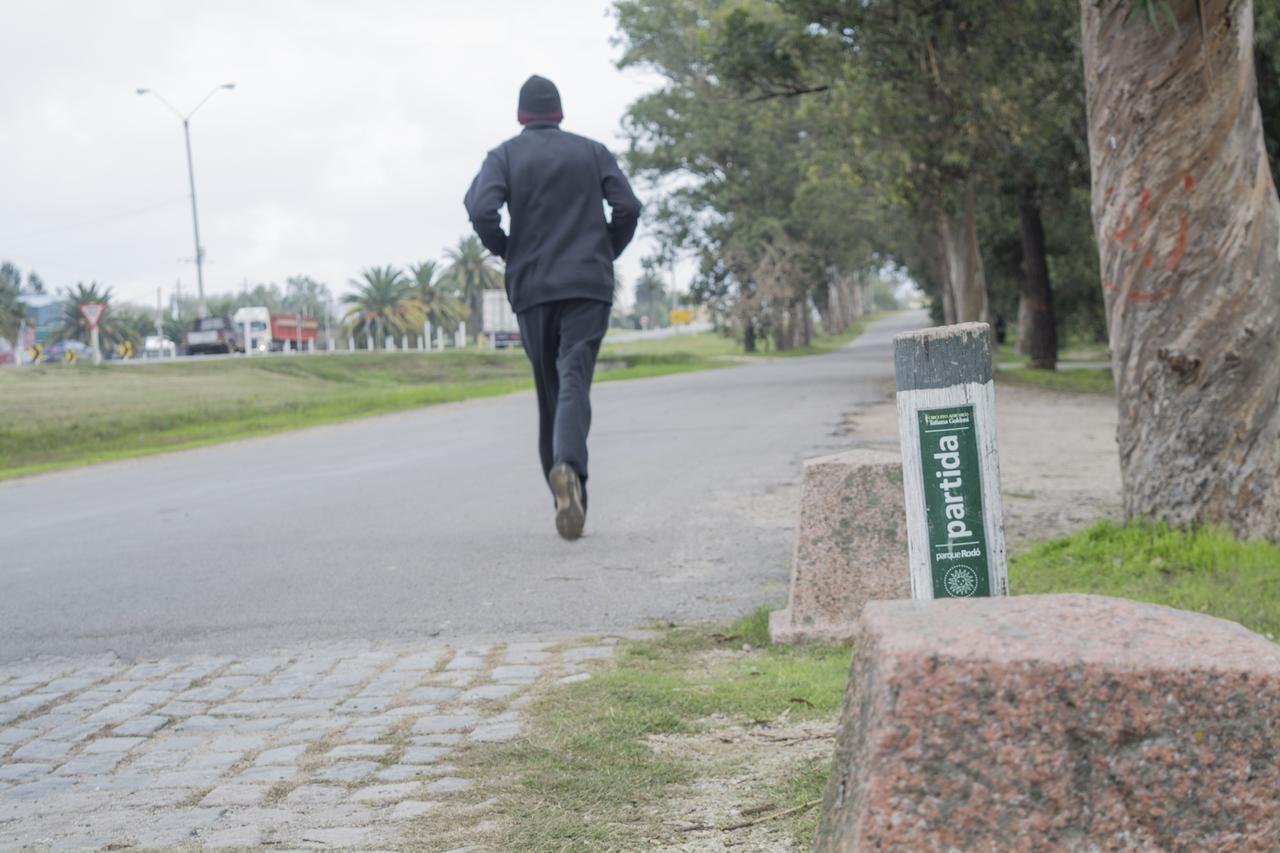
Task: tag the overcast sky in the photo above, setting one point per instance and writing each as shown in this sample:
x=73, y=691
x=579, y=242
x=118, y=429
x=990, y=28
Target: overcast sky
x=349, y=140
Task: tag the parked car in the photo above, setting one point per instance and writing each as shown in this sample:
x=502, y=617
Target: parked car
x=155, y=346
x=212, y=335
x=58, y=351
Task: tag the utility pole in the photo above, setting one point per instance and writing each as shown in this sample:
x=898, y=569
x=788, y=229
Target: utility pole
x=201, y=310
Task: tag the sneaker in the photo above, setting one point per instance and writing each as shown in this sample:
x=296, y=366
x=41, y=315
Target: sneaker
x=570, y=514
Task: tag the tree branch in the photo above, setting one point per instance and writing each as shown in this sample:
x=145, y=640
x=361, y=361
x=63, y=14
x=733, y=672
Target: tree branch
x=790, y=93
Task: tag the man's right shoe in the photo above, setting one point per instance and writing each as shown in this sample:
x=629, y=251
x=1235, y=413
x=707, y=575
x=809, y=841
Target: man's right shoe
x=571, y=516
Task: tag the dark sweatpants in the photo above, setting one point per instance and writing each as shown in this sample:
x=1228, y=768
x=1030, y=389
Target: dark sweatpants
x=562, y=340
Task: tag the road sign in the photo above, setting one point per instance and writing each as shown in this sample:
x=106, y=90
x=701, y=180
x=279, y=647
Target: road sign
x=36, y=353
x=681, y=316
x=950, y=467
x=92, y=313
x=69, y=355
x=125, y=350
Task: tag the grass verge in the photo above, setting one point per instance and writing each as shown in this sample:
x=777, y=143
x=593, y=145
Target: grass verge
x=1078, y=381
x=592, y=775
x=1205, y=570
x=58, y=416
x=586, y=777
x=716, y=345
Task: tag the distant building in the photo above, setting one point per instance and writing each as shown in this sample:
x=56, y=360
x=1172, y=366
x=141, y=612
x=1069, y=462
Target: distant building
x=44, y=315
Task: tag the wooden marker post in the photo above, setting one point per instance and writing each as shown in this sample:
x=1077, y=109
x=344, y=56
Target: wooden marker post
x=950, y=466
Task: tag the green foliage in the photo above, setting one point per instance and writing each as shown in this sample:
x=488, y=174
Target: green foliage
x=1077, y=380
x=74, y=326
x=796, y=141
x=59, y=416
x=1205, y=570
x=472, y=270
x=306, y=296
x=440, y=305
x=12, y=309
x=380, y=305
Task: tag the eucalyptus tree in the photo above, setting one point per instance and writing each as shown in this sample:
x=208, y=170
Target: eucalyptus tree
x=305, y=295
x=1188, y=231
x=728, y=161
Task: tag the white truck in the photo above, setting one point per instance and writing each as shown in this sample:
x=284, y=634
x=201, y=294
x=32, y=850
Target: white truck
x=498, y=322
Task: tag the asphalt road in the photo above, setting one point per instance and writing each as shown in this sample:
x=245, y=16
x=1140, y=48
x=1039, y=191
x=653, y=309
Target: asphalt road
x=433, y=523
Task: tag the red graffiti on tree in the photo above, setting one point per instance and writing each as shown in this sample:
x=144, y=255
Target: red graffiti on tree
x=1133, y=228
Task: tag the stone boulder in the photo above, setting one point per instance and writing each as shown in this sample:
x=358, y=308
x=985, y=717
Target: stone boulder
x=1063, y=722
x=851, y=545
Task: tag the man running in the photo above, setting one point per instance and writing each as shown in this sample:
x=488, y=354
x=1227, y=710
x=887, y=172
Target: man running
x=559, y=272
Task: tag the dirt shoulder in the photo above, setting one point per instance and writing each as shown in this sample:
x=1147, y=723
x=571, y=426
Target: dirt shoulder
x=1058, y=466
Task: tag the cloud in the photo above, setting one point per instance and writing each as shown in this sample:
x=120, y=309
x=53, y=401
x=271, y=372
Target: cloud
x=349, y=140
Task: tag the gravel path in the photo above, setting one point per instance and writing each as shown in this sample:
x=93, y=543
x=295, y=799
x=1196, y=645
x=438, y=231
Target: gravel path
x=1058, y=466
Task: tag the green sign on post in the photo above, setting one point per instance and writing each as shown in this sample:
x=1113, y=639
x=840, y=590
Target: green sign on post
x=953, y=503
x=950, y=462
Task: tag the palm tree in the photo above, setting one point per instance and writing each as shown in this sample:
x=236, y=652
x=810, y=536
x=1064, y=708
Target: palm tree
x=472, y=272
x=73, y=325
x=381, y=304
x=438, y=305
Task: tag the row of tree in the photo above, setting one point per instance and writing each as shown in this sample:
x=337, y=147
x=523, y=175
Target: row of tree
x=384, y=300
x=802, y=145
x=1104, y=168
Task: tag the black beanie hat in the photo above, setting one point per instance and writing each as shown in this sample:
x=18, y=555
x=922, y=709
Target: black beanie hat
x=539, y=101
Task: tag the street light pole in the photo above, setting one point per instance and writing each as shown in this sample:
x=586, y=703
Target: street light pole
x=195, y=221
x=191, y=177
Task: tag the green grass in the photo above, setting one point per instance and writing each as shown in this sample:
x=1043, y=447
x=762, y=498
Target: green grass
x=584, y=779
x=57, y=416
x=1072, y=350
x=702, y=344
x=1083, y=380
x=716, y=345
x=1205, y=570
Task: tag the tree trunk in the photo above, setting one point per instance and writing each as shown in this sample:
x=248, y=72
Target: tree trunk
x=965, y=282
x=477, y=313
x=1188, y=231
x=934, y=237
x=1023, y=345
x=1037, y=293
x=856, y=289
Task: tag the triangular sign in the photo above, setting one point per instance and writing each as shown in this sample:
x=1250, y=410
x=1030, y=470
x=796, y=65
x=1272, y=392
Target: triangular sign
x=92, y=312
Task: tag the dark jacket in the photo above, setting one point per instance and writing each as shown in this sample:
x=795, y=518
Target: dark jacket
x=553, y=183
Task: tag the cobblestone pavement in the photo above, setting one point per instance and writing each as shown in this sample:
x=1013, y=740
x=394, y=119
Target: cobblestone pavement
x=329, y=748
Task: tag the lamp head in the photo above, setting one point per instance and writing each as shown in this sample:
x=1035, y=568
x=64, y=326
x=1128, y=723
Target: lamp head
x=143, y=91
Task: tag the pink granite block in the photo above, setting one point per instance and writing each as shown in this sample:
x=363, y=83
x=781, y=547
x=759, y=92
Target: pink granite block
x=851, y=545
x=1055, y=722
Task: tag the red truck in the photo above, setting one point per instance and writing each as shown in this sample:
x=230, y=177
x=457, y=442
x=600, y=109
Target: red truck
x=274, y=330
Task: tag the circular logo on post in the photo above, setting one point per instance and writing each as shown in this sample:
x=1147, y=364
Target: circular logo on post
x=960, y=581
